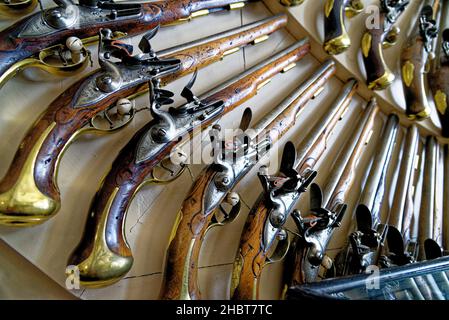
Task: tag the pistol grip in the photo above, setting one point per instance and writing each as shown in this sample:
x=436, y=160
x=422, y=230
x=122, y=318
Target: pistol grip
x=336, y=38
x=379, y=76
x=251, y=256
x=413, y=69
x=103, y=256
x=186, y=241
x=28, y=195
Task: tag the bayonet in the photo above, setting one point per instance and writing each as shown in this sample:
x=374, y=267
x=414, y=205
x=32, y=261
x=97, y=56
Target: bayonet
x=265, y=224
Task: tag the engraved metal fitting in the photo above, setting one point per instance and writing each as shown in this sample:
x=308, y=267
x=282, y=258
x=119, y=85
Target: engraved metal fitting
x=173, y=123
x=144, y=67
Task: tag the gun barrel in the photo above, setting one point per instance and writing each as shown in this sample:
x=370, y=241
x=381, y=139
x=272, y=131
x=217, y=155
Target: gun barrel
x=37, y=32
x=137, y=161
x=207, y=192
x=428, y=193
x=374, y=189
x=64, y=120
x=405, y=179
x=297, y=99
x=444, y=15
x=332, y=193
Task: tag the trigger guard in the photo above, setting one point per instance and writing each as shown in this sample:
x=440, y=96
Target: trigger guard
x=280, y=252
x=42, y=70
x=232, y=215
x=72, y=67
x=112, y=128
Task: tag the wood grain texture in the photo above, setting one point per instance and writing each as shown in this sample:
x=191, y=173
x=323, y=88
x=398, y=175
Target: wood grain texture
x=70, y=120
x=127, y=175
x=152, y=14
x=251, y=253
x=378, y=74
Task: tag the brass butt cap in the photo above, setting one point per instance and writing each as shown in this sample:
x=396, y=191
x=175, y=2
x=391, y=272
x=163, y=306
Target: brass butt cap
x=26, y=213
x=102, y=271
